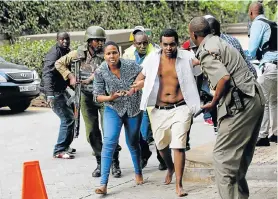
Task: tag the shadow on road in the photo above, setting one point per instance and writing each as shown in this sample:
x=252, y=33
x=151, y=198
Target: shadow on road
x=30, y=111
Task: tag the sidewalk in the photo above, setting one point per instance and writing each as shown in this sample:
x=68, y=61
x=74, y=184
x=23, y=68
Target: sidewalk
x=31, y=135
x=154, y=189
x=262, y=175
x=199, y=164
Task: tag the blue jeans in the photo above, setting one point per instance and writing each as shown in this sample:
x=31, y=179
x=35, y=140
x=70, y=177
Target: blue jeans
x=65, y=113
x=205, y=87
x=112, y=128
x=145, y=126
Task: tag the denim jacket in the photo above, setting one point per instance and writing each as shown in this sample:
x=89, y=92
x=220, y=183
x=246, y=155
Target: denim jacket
x=259, y=34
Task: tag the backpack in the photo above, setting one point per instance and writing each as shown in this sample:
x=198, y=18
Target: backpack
x=271, y=44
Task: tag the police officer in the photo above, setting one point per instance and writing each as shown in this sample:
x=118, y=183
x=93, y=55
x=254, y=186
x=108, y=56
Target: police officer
x=240, y=103
x=91, y=56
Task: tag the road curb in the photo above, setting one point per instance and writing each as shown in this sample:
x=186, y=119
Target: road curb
x=265, y=172
x=199, y=164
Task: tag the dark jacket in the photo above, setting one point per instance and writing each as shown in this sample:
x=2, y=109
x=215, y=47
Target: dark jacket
x=52, y=80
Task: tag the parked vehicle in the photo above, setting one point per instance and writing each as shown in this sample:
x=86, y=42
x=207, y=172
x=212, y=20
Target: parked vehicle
x=18, y=86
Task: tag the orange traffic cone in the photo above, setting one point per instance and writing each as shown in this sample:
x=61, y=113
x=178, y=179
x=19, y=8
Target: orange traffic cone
x=33, y=185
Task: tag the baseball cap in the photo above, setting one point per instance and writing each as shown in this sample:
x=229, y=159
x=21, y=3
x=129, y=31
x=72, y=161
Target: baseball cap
x=138, y=29
x=208, y=16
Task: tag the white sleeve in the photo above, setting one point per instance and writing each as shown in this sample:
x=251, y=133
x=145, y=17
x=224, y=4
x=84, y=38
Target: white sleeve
x=195, y=69
x=143, y=71
x=145, y=64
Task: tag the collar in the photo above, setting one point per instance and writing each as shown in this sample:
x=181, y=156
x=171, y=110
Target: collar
x=136, y=53
x=202, y=44
x=84, y=48
x=62, y=49
x=259, y=17
x=179, y=52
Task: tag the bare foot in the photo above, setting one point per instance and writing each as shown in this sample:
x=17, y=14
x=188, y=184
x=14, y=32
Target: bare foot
x=139, y=179
x=168, y=178
x=102, y=190
x=181, y=192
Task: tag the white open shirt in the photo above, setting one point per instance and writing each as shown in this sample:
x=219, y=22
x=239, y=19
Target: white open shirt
x=185, y=73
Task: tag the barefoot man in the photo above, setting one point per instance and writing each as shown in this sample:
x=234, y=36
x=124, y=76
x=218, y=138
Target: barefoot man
x=169, y=85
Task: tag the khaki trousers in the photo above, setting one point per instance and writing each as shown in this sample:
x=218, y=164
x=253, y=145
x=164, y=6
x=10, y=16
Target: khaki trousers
x=234, y=148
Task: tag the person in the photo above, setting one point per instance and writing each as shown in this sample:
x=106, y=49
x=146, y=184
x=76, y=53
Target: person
x=142, y=48
x=170, y=85
x=204, y=87
x=240, y=103
x=215, y=30
x=54, y=88
x=129, y=52
x=112, y=86
x=263, y=40
x=91, y=56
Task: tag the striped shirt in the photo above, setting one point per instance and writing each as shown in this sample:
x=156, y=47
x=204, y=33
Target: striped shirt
x=235, y=43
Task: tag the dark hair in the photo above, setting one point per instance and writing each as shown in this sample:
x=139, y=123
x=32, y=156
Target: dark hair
x=200, y=26
x=260, y=8
x=214, y=26
x=257, y=8
x=109, y=43
x=61, y=32
x=169, y=33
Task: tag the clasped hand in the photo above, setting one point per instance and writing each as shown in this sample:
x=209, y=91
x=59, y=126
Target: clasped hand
x=118, y=94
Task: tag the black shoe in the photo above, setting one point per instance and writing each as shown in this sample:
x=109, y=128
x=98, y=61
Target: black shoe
x=273, y=138
x=150, y=141
x=145, y=159
x=71, y=150
x=96, y=172
x=116, y=170
x=263, y=142
x=162, y=167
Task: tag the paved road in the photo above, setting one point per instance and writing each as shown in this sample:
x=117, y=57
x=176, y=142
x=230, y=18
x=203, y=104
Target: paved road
x=31, y=136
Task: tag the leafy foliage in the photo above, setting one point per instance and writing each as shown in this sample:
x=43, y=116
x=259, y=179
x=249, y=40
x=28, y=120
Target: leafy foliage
x=35, y=17
x=29, y=53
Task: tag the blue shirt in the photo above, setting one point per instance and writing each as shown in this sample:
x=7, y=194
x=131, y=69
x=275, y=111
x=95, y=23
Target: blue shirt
x=259, y=34
x=235, y=43
x=138, y=60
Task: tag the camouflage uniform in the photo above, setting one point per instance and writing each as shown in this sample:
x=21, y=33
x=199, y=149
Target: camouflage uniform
x=89, y=108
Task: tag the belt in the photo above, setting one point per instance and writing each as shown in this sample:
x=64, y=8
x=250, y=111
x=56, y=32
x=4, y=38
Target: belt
x=170, y=106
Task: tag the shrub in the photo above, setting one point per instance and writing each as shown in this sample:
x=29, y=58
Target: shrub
x=29, y=53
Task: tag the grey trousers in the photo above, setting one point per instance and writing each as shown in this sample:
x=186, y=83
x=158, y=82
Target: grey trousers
x=268, y=82
x=234, y=148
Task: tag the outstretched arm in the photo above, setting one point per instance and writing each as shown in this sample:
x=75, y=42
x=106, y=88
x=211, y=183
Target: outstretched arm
x=138, y=84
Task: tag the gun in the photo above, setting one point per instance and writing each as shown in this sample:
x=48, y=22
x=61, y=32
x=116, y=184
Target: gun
x=198, y=113
x=205, y=97
x=77, y=95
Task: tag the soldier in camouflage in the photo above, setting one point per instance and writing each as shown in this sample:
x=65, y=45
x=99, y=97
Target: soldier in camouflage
x=91, y=56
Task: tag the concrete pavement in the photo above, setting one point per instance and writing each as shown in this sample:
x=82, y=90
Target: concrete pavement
x=31, y=136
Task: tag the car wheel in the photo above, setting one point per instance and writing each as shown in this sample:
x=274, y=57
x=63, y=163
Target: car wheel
x=20, y=106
